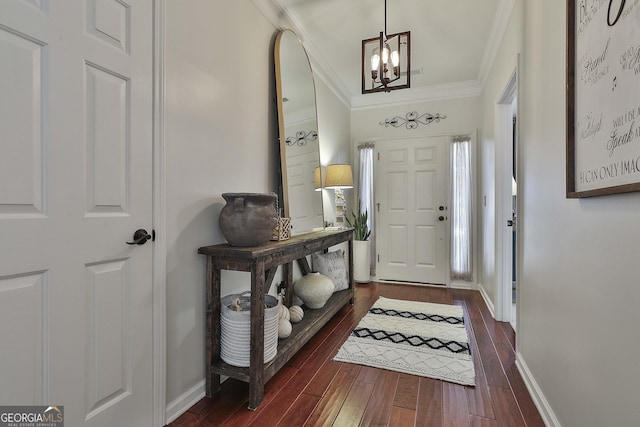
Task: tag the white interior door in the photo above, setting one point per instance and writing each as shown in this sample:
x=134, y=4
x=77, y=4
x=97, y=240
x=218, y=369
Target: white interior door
x=75, y=183
x=411, y=193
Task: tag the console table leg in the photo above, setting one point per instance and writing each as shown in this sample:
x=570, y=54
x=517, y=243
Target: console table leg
x=212, y=344
x=256, y=352
x=213, y=385
x=287, y=276
x=256, y=394
x=352, y=284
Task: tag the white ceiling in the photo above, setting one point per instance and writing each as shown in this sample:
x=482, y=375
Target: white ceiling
x=453, y=43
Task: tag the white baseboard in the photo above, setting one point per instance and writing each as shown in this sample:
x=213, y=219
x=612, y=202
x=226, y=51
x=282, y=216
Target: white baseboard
x=487, y=300
x=400, y=282
x=186, y=400
x=547, y=414
x=462, y=285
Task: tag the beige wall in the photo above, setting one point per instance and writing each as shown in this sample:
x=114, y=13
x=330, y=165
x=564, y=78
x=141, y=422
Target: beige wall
x=221, y=136
x=579, y=286
x=498, y=78
x=462, y=114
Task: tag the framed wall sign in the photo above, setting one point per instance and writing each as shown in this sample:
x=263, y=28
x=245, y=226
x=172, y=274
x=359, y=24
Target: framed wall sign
x=603, y=97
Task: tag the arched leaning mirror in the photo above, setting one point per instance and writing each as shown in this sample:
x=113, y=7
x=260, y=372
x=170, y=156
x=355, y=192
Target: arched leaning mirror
x=299, y=144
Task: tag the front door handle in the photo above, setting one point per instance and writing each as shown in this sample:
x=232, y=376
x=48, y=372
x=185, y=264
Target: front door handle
x=140, y=237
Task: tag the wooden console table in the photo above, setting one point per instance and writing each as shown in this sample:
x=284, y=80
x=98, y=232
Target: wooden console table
x=262, y=262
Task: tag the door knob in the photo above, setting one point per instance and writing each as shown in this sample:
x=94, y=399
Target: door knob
x=140, y=237
x=441, y=208
x=440, y=218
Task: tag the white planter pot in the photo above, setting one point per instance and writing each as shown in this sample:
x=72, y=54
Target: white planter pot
x=362, y=261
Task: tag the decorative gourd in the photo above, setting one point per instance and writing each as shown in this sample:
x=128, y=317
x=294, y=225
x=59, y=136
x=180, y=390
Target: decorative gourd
x=284, y=328
x=284, y=313
x=295, y=314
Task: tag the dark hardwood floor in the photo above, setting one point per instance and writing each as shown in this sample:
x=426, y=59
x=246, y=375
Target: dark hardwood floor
x=313, y=390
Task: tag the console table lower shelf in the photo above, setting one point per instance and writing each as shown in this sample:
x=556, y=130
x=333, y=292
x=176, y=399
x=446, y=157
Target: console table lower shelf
x=301, y=332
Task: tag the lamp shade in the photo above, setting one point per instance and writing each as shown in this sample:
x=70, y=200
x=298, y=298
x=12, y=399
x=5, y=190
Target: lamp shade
x=339, y=176
x=318, y=176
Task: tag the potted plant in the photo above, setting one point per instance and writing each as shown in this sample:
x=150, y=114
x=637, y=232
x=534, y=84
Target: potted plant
x=361, y=245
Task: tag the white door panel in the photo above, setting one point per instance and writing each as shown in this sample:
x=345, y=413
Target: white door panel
x=75, y=183
x=22, y=300
x=411, y=186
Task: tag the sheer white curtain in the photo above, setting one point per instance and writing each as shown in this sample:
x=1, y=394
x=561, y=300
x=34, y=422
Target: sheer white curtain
x=366, y=192
x=461, y=212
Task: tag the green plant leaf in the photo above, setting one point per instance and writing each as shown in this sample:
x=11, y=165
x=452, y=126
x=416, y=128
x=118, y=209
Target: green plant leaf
x=358, y=222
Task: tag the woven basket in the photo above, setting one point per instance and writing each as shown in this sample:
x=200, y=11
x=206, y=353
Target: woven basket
x=235, y=336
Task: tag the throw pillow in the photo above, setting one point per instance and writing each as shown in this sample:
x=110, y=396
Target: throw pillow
x=333, y=266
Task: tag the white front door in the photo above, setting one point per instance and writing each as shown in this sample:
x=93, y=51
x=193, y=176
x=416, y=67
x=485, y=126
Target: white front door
x=75, y=183
x=411, y=192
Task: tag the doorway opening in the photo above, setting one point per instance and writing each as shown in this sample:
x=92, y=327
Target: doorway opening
x=514, y=213
x=507, y=201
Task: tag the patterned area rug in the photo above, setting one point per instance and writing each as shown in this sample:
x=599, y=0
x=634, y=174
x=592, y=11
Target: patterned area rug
x=417, y=338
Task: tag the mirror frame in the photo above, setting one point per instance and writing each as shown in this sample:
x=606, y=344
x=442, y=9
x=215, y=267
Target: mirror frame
x=284, y=205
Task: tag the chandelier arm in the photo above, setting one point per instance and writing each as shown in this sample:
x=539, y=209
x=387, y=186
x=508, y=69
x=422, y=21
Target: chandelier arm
x=382, y=41
x=385, y=19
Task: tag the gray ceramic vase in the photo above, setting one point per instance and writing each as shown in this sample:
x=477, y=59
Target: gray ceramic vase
x=248, y=219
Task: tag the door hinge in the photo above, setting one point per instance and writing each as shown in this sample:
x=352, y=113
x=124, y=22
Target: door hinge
x=378, y=257
x=378, y=204
x=378, y=156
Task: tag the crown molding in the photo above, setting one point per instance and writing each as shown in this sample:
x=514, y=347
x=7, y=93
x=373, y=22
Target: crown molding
x=280, y=17
x=498, y=28
x=274, y=11
x=466, y=89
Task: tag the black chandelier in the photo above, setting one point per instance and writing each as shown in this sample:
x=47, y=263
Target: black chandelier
x=386, y=61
